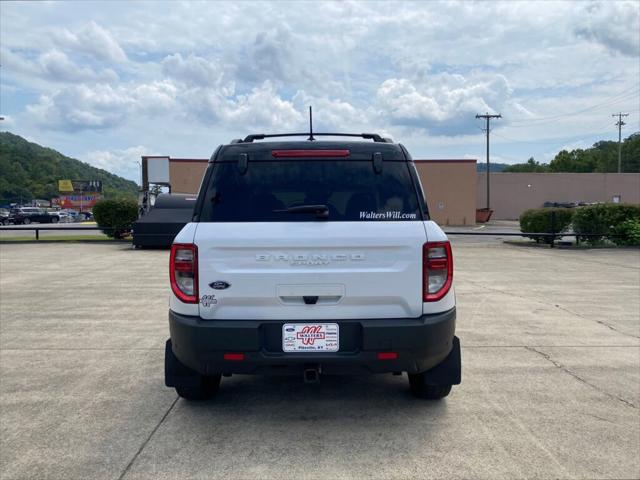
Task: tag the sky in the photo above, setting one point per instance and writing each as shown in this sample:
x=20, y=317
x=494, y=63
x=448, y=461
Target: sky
x=107, y=82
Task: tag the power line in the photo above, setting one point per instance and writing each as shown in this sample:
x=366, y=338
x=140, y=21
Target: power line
x=620, y=123
x=620, y=97
x=488, y=118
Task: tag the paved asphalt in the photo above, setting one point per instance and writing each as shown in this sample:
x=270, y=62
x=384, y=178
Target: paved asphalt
x=551, y=379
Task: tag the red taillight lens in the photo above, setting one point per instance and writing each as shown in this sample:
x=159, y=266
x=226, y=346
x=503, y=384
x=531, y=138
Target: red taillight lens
x=309, y=153
x=387, y=355
x=437, y=270
x=183, y=271
x=234, y=357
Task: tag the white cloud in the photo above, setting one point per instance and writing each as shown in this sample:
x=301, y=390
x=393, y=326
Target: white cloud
x=192, y=70
x=443, y=103
x=81, y=107
x=55, y=66
x=615, y=26
x=125, y=163
x=93, y=40
x=100, y=106
x=260, y=109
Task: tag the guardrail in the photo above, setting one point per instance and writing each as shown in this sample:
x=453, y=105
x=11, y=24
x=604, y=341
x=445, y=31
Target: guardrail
x=486, y=234
x=38, y=228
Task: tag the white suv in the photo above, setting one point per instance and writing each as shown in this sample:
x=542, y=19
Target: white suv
x=311, y=258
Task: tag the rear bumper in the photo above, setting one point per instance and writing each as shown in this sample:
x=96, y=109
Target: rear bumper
x=421, y=344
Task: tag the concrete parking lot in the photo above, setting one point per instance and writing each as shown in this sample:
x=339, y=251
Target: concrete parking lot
x=551, y=379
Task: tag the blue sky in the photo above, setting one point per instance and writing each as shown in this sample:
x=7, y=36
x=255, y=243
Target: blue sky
x=106, y=82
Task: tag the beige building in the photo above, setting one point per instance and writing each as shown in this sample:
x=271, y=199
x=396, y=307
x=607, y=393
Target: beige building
x=450, y=188
x=513, y=193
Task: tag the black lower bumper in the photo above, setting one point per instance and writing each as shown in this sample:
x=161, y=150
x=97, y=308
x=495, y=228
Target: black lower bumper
x=420, y=343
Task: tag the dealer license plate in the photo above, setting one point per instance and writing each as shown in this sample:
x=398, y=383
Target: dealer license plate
x=310, y=337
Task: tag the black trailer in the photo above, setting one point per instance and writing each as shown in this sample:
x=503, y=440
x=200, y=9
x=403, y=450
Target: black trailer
x=159, y=226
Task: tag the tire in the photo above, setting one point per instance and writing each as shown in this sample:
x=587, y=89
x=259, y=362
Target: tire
x=26, y=221
x=55, y=219
x=206, y=390
x=421, y=389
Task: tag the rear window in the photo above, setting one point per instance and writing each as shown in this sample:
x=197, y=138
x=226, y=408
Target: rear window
x=351, y=191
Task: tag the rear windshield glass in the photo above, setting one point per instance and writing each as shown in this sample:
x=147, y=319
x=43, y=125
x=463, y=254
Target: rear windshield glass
x=350, y=190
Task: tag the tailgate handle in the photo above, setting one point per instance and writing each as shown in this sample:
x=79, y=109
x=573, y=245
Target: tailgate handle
x=310, y=300
x=310, y=294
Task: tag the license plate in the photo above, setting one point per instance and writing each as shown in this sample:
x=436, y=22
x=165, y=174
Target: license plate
x=310, y=337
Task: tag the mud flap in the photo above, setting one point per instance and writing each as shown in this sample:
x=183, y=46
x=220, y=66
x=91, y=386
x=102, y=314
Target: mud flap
x=176, y=373
x=448, y=372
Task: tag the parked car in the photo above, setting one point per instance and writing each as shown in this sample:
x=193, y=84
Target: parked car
x=4, y=216
x=61, y=214
x=71, y=215
x=27, y=215
x=85, y=216
x=311, y=258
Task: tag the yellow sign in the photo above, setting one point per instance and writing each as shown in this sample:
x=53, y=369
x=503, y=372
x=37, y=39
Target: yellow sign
x=65, y=186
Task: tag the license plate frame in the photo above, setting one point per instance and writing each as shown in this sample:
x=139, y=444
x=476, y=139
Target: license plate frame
x=310, y=337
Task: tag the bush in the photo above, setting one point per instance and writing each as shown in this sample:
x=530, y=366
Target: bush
x=606, y=220
x=630, y=229
x=115, y=217
x=541, y=220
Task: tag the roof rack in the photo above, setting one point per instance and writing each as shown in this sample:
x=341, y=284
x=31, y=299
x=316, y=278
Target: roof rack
x=369, y=136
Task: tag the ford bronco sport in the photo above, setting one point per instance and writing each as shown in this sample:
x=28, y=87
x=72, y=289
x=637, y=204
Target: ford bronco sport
x=311, y=258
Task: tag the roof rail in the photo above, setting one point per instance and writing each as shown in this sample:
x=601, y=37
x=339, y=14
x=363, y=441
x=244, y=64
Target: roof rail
x=369, y=136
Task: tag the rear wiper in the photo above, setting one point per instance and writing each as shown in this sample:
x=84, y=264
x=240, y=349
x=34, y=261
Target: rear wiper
x=320, y=211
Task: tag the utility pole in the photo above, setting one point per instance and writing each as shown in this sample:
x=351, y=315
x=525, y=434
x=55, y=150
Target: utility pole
x=619, y=124
x=488, y=118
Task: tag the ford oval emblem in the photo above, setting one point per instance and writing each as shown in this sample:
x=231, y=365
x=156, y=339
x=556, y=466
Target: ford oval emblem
x=219, y=285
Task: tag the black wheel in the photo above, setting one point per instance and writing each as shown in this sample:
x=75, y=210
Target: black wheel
x=26, y=221
x=421, y=389
x=54, y=219
x=204, y=391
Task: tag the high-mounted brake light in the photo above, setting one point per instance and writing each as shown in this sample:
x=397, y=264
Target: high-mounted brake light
x=437, y=270
x=309, y=153
x=387, y=355
x=183, y=271
x=234, y=357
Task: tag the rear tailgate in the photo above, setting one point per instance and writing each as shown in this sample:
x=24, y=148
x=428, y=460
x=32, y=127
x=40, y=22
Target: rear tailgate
x=264, y=270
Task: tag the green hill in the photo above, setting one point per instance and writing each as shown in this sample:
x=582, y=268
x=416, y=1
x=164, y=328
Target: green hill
x=481, y=166
x=29, y=171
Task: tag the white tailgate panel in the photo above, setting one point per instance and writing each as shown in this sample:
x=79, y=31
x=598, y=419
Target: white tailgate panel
x=356, y=269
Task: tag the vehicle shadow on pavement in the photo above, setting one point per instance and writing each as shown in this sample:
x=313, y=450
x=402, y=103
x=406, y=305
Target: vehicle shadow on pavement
x=334, y=397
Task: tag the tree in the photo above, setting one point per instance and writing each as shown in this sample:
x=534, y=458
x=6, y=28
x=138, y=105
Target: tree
x=530, y=166
x=575, y=161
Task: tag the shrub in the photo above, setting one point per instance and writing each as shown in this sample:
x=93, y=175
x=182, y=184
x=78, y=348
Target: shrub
x=630, y=229
x=116, y=217
x=545, y=220
x=606, y=220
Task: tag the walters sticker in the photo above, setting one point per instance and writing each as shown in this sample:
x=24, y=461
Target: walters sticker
x=315, y=337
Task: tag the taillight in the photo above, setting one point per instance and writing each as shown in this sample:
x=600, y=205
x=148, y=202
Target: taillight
x=437, y=270
x=183, y=271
